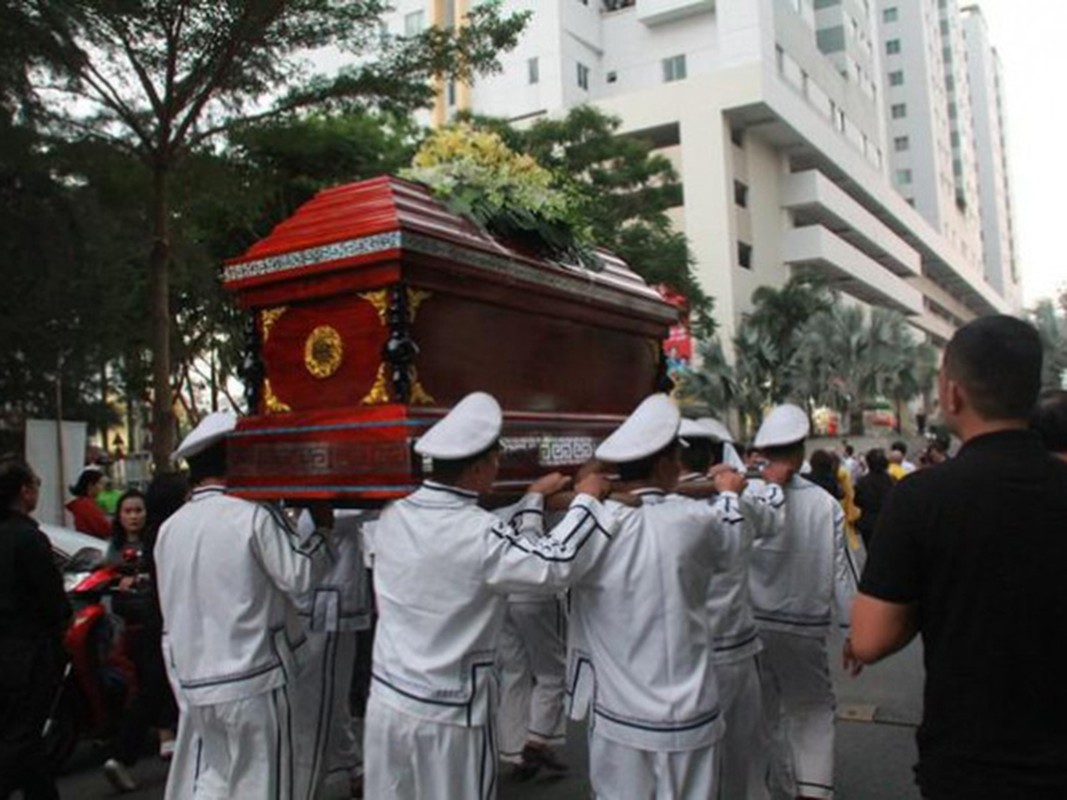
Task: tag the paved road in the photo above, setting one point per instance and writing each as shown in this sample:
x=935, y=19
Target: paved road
x=875, y=746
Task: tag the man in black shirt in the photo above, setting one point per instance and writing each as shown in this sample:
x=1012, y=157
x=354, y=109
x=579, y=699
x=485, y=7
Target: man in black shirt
x=33, y=616
x=972, y=556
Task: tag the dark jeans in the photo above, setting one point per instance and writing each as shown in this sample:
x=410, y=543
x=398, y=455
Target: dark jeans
x=30, y=671
x=153, y=705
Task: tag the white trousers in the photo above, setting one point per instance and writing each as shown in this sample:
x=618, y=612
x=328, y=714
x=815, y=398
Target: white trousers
x=742, y=750
x=798, y=705
x=620, y=772
x=328, y=751
x=532, y=658
x=407, y=758
x=235, y=750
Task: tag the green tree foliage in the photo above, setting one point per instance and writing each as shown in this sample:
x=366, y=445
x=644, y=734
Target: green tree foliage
x=162, y=78
x=1051, y=324
x=801, y=344
x=624, y=191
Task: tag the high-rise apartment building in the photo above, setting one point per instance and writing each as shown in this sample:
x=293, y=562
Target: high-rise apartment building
x=990, y=142
x=776, y=115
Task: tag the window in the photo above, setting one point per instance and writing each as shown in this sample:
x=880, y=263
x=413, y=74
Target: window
x=898, y=110
x=896, y=77
x=903, y=177
x=831, y=40
x=674, y=68
x=892, y=47
x=533, y=71
x=891, y=14
x=826, y=3
x=901, y=143
x=414, y=23
x=737, y=136
x=740, y=194
x=744, y=255
x=583, y=76
x=613, y=76
x=451, y=93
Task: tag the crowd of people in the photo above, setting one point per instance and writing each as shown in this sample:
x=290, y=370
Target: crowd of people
x=680, y=596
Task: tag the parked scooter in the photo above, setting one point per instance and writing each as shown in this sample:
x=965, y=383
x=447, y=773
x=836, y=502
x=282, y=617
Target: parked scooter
x=101, y=678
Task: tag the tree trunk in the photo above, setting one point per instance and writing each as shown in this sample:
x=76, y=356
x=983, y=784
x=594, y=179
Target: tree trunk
x=855, y=420
x=163, y=421
x=103, y=404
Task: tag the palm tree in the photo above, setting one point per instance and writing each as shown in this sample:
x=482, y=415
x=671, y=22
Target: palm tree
x=712, y=387
x=839, y=341
x=905, y=367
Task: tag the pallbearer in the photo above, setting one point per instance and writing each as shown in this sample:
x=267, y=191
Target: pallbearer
x=640, y=656
x=229, y=572
x=442, y=570
x=802, y=582
x=735, y=641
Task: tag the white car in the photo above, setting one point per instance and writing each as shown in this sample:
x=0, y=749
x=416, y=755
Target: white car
x=76, y=554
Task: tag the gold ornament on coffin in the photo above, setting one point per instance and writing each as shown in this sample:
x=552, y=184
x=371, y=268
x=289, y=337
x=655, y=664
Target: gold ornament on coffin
x=419, y=396
x=323, y=352
x=268, y=317
x=380, y=301
x=416, y=297
x=271, y=401
x=379, y=393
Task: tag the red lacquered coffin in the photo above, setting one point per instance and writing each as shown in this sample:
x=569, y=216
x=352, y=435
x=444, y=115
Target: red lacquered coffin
x=373, y=309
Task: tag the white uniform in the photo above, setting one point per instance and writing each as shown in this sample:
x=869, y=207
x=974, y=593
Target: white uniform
x=640, y=654
x=332, y=614
x=533, y=674
x=228, y=570
x=742, y=752
x=442, y=570
x=800, y=581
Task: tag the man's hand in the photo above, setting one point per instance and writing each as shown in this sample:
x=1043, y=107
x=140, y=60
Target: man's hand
x=594, y=484
x=321, y=514
x=729, y=480
x=853, y=666
x=549, y=484
x=779, y=472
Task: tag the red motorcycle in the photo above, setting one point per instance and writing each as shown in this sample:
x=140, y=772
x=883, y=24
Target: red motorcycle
x=100, y=679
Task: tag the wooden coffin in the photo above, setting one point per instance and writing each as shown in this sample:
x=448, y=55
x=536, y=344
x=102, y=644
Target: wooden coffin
x=373, y=310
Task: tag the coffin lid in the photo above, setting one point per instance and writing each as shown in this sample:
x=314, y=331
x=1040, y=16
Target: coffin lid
x=357, y=225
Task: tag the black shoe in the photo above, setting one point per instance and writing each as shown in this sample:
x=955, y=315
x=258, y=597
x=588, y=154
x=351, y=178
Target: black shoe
x=544, y=756
x=524, y=771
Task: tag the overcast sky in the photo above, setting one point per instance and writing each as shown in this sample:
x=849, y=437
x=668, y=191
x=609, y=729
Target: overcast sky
x=1031, y=36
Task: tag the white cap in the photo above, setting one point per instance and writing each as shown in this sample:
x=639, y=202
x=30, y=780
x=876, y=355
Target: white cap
x=212, y=428
x=651, y=427
x=786, y=424
x=470, y=427
x=719, y=432
x=692, y=429
x=731, y=458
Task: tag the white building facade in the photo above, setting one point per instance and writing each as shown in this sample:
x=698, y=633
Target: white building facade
x=775, y=115
x=990, y=141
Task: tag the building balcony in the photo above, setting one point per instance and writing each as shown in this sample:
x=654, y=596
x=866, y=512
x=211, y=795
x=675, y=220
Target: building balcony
x=657, y=12
x=814, y=199
x=819, y=250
